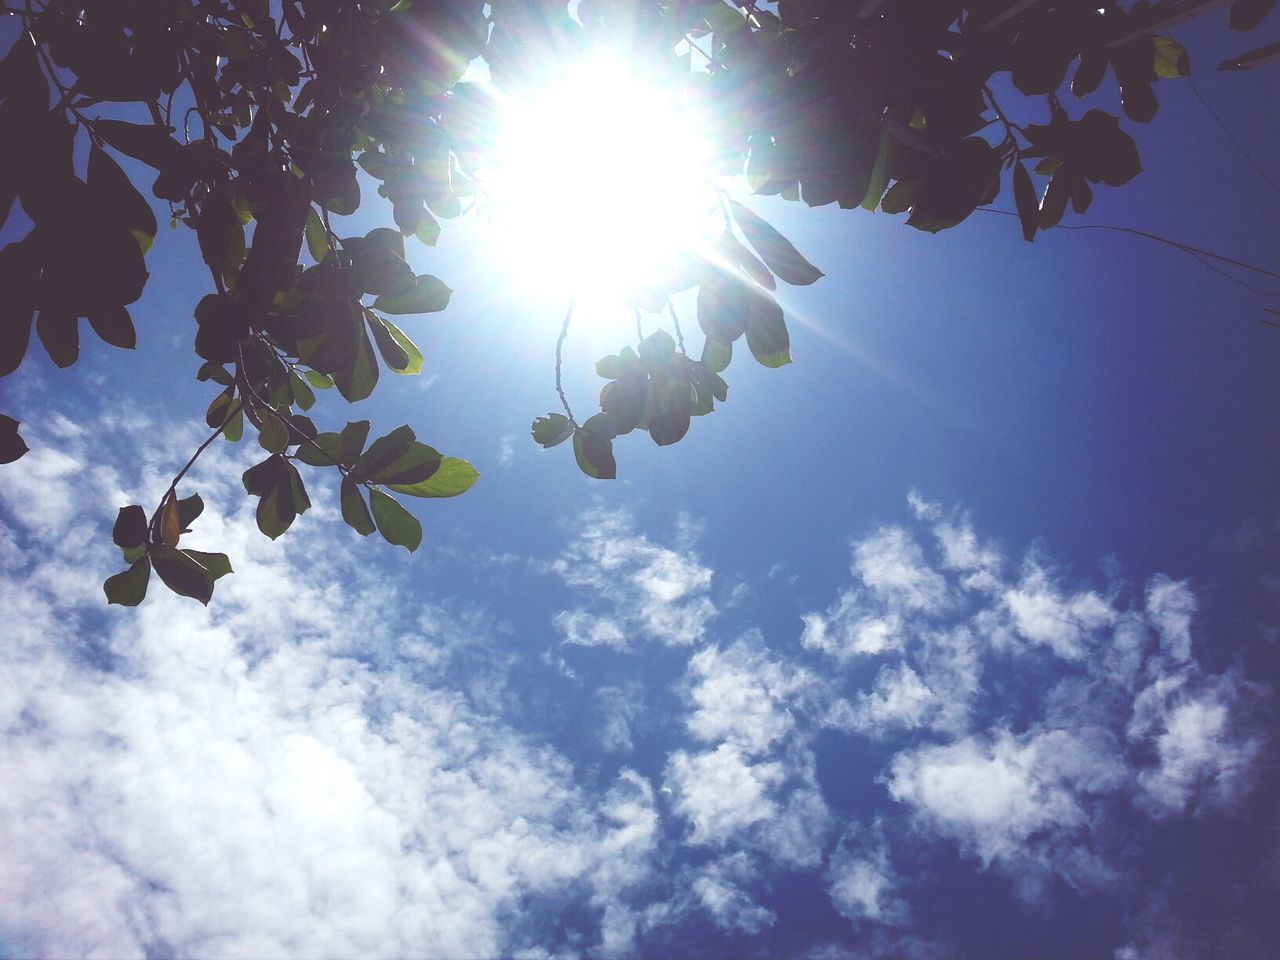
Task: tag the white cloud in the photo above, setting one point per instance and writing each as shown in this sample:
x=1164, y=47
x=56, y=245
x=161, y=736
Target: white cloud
x=639, y=590
x=1022, y=801
x=861, y=882
x=1042, y=614
x=289, y=772
x=756, y=788
x=892, y=566
x=720, y=890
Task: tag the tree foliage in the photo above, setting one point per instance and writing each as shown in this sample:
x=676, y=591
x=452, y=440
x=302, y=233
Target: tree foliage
x=261, y=121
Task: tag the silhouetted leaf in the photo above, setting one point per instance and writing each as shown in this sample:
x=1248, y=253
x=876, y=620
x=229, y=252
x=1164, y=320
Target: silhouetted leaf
x=1054, y=202
x=118, y=201
x=399, y=352
x=717, y=354
x=130, y=529
x=189, y=508
x=60, y=334
x=183, y=574
x=129, y=588
x=170, y=523
x=354, y=511
x=1247, y=14
x=593, y=448
x=551, y=430
x=767, y=333
x=113, y=325
x=776, y=250
x=218, y=564
x=427, y=295
x=396, y=524
x=1024, y=196
x=12, y=446
x=317, y=236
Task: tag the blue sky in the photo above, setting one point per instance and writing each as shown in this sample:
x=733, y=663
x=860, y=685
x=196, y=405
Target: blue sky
x=956, y=638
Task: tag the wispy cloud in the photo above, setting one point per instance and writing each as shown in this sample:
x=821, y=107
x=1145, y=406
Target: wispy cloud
x=633, y=589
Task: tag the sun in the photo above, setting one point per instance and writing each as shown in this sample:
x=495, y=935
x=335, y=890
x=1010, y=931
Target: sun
x=600, y=176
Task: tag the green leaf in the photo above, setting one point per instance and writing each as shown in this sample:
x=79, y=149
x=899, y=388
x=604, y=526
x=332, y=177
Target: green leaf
x=776, y=250
x=735, y=253
x=189, y=508
x=399, y=352
x=218, y=564
x=215, y=372
x=668, y=410
x=717, y=354
x=879, y=173
x=1024, y=197
x=130, y=529
x=317, y=236
x=12, y=446
x=552, y=430
x=594, y=454
x=260, y=479
x=351, y=441
x=428, y=231
x=234, y=429
x=396, y=524
x=129, y=587
x=451, y=478
x=183, y=574
x=319, y=380
x=301, y=392
x=1171, y=60
x=354, y=511
x=358, y=373
x=900, y=196
x=273, y=436
x=427, y=295
x=767, y=333
x=723, y=19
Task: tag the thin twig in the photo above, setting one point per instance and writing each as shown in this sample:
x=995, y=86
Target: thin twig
x=1184, y=247
x=639, y=329
x=671, y=309
x=564, y=332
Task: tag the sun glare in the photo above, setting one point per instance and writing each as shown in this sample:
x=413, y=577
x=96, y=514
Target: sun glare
x=601, y=175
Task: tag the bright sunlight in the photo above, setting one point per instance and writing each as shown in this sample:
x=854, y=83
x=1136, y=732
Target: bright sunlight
x=601, y=176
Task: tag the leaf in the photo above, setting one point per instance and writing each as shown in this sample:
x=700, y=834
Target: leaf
x=149, y=143
x=170, y=523
x=60, y=335
x=1106, y=153
x=358, y=374
x=1081, y=194
x=351, y=441
x=1024, y=196
x=879, y=173
x=1247, y=14
x=118, y=200
x=552, y=430
x=317, y=236
x=113, y=325
x=717, y=354
x=129, y=587
x=12, y=446
x=399, y=352
x=384, y=452
x=1171, y=60
x=594, y=455
x=189, y=508
x=319, y=380
x=396, y=524
x=273, y=436
x=1054, y=202
x=354, y=511
x=738, y=255
x=767, y=333
x=776, y=250
x=182, y=574
x=19, y=277
x=669, y=409
x=451, y=478
x=300, y=391
x=218, y=564
x=427, y=295
x=900, y=196
x=130, y=529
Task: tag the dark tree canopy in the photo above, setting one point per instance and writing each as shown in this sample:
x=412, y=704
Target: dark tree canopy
x=261, y=121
